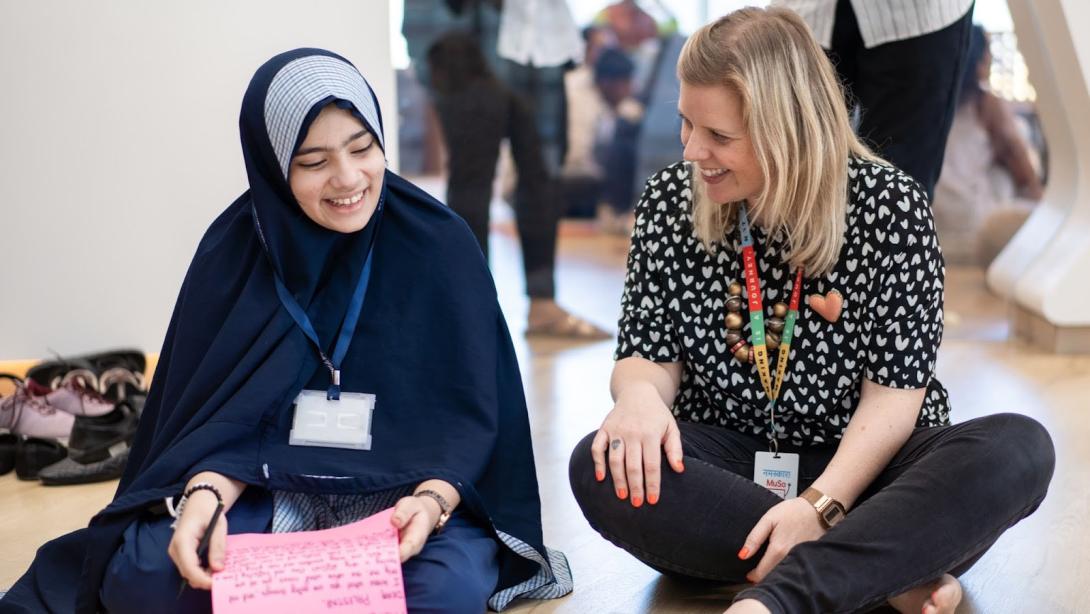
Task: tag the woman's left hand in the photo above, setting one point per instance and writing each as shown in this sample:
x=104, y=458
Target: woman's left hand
x=784, y=526
x=415, y=519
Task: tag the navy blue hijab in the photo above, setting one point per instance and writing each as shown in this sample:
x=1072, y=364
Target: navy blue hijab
x=431, y=344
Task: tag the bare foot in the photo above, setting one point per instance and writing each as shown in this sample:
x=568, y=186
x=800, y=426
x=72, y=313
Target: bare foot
x=747, y=606
x=939, y=597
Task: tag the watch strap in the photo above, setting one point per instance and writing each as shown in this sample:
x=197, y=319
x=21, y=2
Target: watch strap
x=444, y=507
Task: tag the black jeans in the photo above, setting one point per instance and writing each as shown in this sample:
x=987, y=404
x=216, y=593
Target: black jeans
x=907, y=90
x=942, y=501
x=475, y=121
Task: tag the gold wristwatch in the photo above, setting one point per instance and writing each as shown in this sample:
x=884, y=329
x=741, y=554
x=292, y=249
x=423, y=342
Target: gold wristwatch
x=829, y=510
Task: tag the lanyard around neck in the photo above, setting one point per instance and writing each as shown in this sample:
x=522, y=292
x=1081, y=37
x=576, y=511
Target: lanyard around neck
x=757, y=321
x=351, y=317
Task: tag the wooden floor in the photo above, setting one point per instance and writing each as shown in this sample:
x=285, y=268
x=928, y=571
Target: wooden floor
x=1039, y=566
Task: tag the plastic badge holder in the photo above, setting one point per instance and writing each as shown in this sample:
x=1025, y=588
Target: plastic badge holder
x=332, y=424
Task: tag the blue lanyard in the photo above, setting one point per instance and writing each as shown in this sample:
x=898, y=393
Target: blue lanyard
x=351, y=318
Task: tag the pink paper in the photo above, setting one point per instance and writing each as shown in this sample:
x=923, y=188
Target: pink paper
x=354, y=568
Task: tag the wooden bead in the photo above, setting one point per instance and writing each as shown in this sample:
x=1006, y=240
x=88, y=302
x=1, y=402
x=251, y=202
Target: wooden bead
x=744, y=354
x=779, y=310
x=734, y=321
x=772, y=341
x=734, y=304
x=733, y=337
x=774, y=324
x=734, y=289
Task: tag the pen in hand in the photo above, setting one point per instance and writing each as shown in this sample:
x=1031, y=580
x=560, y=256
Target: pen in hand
x=202, y=546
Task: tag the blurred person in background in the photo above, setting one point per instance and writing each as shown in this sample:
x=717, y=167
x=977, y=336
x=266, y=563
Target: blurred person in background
x=647, y=33
x=989, y=180
x=500, y=51
x=901, y=63
x=615, y=141
x=477, y=112
x=580, y=175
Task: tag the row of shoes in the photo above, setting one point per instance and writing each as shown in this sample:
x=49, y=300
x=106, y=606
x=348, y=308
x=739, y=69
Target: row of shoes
x=92, y=403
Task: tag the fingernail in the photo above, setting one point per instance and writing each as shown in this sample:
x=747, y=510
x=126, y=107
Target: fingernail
x=743, y=554
x=637, y=501
x=652, y=498
x=622, y=493
x=599, y=475
x=681, y=465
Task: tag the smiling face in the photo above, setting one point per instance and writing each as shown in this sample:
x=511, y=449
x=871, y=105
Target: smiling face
x=716, y=141
x=336, y=176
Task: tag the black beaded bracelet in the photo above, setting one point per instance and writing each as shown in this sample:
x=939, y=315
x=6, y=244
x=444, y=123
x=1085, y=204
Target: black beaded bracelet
x=203, y=486
x=176, y=510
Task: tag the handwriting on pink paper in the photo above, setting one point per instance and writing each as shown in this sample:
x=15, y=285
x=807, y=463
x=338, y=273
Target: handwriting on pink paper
x=354, y=568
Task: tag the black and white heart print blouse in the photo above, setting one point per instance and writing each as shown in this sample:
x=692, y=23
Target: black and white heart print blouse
x=890, y=275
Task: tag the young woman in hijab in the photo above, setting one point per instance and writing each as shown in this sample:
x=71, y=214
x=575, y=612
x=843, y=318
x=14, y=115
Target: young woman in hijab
x=828, y=392
x=334, y=287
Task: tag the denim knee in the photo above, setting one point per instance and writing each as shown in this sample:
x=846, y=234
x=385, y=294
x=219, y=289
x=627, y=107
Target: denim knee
x=1027, y=450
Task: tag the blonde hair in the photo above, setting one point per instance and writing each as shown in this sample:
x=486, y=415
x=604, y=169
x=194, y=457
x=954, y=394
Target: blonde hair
x=794, y=111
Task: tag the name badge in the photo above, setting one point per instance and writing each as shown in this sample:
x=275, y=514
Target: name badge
x=332, y=424
x=778, y=473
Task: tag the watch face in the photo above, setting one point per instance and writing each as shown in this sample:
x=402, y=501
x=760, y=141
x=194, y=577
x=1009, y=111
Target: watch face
x=832, y=513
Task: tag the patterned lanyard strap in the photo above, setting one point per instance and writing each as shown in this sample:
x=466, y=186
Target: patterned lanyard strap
x=757, y=321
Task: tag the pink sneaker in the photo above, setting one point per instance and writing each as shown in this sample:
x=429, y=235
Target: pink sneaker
x=74, y=394
x=26, y=414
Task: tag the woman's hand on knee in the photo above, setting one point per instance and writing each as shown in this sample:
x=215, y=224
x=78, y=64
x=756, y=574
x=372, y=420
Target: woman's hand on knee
x=189, y=530
x=629, y=442
x=414, y=518
x=784, y=526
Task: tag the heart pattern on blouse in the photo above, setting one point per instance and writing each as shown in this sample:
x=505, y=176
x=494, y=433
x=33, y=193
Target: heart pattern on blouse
x=890, y=275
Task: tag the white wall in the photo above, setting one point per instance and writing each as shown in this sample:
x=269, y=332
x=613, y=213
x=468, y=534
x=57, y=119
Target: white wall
x=119, y=145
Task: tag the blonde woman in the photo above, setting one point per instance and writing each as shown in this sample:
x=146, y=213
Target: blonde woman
x=780, y=322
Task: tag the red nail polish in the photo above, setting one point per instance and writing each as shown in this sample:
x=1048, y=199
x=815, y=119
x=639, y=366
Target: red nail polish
x=681, y=464
x=743, y=553
x=622, y=493
x=637, y=501
x=652, y=499
x=599, y=475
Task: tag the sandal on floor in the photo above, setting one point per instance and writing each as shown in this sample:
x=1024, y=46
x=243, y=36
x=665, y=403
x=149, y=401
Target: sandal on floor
x=568, y=327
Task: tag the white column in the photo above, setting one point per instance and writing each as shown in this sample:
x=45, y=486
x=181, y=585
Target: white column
x=1046, y=267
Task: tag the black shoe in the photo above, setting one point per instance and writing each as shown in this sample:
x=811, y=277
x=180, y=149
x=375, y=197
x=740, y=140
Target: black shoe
x=97, y=438
x=69, y=471
x=34, y=454
x=8, y=443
